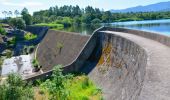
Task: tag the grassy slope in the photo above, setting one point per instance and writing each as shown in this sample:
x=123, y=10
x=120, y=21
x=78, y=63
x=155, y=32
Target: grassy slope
x=80, y=88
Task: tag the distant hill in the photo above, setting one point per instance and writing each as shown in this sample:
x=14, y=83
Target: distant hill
x=162, y=6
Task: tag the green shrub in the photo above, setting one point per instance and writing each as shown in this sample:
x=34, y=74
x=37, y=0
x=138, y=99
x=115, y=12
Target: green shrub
x=12, y=41
x=2, y=30
x=30, y=36
x=66, y=87
x=35, y=63
x=18, y=23
x=59, y=45
x=8, y=53
x=16, y=89
x=28, y=49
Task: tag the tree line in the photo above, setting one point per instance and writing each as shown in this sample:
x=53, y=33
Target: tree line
x=68, y=15
x=90, y=15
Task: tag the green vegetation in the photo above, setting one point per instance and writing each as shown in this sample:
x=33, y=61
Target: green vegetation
x=26, y=16
x=2, y=30
x=1, y=62
x=60, y=45
x=14, y=88
x=30, y=36
x=67, y=87
x=8, y=53
x=80, y=87
x=51, y=25
x=89, y=15
x=28, y=49
x=66, y=16
x=59, y=87
x=12, y=41
x=35, y=63
x=17, y=23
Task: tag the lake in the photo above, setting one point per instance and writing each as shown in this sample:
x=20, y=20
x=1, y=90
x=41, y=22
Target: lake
x=158, y=26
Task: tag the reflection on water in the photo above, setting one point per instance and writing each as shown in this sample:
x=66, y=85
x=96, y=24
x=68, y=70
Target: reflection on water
x=159, y=26
x=83, y=29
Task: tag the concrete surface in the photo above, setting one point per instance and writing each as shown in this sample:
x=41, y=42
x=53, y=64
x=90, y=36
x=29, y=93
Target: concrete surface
x=19, y=64
x=59, y=48
x=125, y=65
x=156, y=84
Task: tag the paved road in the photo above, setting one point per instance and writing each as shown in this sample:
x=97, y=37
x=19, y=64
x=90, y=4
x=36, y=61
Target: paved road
x=157, y=78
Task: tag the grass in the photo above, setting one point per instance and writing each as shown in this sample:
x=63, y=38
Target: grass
x=79, y=87
x=51, y=25
x=30, y=36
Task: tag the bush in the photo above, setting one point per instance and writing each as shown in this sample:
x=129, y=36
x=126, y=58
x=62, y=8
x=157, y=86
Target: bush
x=35, y=63
x=2, y=30
x=66, y=21
x=8, y=53
x=28, y=49
x=16, y=89
x=17, y=23
x=30, y=36
x=12, y=41
x=66, y=87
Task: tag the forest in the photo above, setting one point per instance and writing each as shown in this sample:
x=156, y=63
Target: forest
x=65, y=16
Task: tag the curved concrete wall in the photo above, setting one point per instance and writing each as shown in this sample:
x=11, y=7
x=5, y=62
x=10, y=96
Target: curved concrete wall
x=59, y=48
x=150, y=35
x=115, y=64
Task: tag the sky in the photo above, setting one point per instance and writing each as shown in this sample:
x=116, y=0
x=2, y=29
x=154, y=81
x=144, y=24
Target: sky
x=36, y=5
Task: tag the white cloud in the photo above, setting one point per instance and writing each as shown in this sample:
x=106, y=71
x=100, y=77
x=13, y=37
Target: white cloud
x=22, y=4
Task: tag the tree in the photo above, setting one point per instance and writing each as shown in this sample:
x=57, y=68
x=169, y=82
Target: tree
x=107, y=17
x=10, y=13
x=16, y=13
x=17, y=23
x=77, y=20
x=24, y=11
x=15, y=89
x=27, y=18
x=96, y=21
x=5, y=13
x=56, y=86
x=86, y=18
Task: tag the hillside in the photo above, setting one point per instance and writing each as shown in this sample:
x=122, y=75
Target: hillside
x=162, y=6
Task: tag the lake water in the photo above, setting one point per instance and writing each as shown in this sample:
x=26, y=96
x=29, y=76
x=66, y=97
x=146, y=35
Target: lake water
x=158, y=26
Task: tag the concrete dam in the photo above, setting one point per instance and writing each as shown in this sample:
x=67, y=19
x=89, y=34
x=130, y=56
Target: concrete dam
x=126, y=64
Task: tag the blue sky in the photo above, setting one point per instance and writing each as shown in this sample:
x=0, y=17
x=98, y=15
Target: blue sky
x=35, y=5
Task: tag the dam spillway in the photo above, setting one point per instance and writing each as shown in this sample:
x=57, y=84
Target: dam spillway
x=126, y=64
